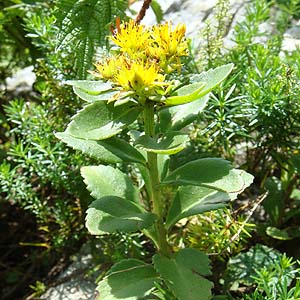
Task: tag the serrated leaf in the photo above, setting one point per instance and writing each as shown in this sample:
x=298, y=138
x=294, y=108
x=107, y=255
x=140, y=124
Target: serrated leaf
x=177, y=117
x=194, y=260
x=215, y=173
x=105, y=180
x=112, y=150
x=129, y=279
x=170, y=144
x=205, y=83
x=99, y=120
x=82, y=35
x=193, y=200
x=184, y=272
x=112, y=214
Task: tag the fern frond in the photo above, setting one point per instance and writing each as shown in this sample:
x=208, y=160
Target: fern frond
x=84, y=26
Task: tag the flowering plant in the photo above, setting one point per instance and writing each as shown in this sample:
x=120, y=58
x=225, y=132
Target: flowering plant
x=138, y=84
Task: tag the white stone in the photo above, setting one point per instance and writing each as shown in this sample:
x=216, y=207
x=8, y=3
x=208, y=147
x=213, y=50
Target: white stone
x=290, y=44
x=291, y=41
x=21, y=81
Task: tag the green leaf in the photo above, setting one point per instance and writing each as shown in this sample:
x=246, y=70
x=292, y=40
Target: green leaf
x=83, y=27
x=92, y=87
x=206, y=82
x=129, y=279
x=242, y=268
x=184, y=272
x=111, y=214
x=285, y=234
x=112, y=150
x=274, y=202
x=170, y=144
x=193, y=200
x=105, y=180
x=99, y=120
x=186, y=94
x=157, y=11
x=92, y=91
x=278, y=234
x=295, y=159
x=215, y=173
x=177, y=117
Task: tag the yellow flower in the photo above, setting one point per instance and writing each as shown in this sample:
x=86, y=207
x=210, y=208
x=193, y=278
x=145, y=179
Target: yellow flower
x=141, y=77
x=171, y=42
x=145, y=55
x=168, y=46
x=132, y=39
x=110, y=67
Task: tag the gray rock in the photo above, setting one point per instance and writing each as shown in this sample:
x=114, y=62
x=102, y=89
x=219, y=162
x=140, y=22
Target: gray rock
x=21, y=81
x=291, y=39
x=73, y=284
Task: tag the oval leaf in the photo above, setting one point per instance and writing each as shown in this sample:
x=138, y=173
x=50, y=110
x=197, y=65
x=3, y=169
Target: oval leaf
x=170, y=144
x=206, y=82
x=215, y=173
x=129, y=279
x=193, y=200
x=91, y=87
x=112, y=150
x=99, y=120
x=105, y=180
x=184, y=272
x=92, y=91
x=111, y=214
x=177, y=117
x=186, y=94
x=205, y=170
x=107, y=95
x=278, y=234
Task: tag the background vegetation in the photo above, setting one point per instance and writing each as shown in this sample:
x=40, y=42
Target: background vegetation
x=253, y=120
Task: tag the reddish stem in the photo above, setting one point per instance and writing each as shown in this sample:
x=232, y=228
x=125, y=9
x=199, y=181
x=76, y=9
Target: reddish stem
x=142, y=12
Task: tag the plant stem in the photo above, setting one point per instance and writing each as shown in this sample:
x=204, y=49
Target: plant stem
x=154, y=191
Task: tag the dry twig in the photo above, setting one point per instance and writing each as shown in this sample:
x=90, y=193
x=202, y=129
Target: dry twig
x=142, y=12
x=255, y=206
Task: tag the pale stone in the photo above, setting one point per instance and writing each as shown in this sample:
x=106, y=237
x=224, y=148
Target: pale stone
x=75, y=286
x=291, y=41
x=21, y=81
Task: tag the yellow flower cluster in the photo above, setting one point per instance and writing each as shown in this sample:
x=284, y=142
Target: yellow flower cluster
x=145, y=56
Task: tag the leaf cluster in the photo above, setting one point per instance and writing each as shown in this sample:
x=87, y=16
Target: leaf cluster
x=274, y=275
x=120, y=206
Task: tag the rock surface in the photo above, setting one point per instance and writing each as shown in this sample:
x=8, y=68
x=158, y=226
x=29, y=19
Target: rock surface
x=74, y=284
x=21, y=82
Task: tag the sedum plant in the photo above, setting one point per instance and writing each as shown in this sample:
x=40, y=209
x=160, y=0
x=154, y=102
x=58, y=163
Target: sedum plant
x=136, y=114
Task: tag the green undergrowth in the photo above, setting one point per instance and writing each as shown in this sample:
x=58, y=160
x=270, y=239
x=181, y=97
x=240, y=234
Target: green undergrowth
x=251, y=119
